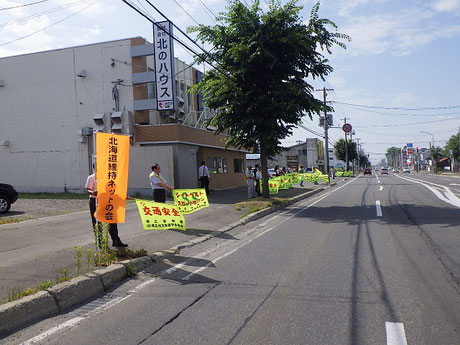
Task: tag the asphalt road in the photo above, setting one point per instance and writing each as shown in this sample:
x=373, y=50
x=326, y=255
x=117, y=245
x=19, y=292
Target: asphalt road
x=372, y=261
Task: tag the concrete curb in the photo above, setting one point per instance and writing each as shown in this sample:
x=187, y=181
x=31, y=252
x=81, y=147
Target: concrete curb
x=17, y=314
x=26, y=310
x=76, y=290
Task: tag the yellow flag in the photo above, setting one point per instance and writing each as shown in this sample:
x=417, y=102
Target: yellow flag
x=190, y=200
x=159, y=216
x=112, y=163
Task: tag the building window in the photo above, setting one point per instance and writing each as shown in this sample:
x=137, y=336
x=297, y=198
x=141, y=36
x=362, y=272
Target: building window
x=151, y=87
x=302, y=152
x=217, y=165
x=238, y=165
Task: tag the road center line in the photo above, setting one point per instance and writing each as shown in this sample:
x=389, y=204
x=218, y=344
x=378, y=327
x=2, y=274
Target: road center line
x=395, y=333
x=379, y=208
x=381, y=188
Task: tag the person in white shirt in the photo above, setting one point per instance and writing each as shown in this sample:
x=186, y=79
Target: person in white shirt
x=91, y=189
x=250, y=181
x=159, y=184
x=203, y=176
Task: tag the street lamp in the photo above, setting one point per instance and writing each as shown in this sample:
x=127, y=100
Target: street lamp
x=432, y=138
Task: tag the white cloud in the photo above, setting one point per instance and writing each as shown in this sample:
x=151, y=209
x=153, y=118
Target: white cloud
x=399, y=33
x=446, y=5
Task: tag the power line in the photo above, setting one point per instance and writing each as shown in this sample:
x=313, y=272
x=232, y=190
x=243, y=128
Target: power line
x=398, y=114
x=399, y=108
x=408, y=124
x=24, y=5
x=56, y=9
x=191, y=39
x=46, y=27
x=186, y=12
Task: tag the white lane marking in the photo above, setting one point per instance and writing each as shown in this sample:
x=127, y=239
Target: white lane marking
x=74, y=321
x=450, y=197
x=380, y=181
x=187, y=277
x=454, y=184
x=379, y=208
x=43, y=218
x=381, y=188
x=395, y=333
x=47, y=333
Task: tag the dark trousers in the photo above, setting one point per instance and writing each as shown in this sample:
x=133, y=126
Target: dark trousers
x=258, y=187
x=205, y=183
x=113, y=227
x=159, y=195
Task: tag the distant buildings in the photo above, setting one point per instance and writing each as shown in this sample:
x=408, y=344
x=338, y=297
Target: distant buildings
x=308, y=154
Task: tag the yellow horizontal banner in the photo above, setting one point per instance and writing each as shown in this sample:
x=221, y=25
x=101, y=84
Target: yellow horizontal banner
x=159, y=216
x=190, y=200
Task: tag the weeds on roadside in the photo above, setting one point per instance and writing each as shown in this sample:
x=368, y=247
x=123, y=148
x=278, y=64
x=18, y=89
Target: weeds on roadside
x=89, y=259
x=64, y=276
x=78, y=257
x=125, y=253
x=16, y=293
x=130, y=270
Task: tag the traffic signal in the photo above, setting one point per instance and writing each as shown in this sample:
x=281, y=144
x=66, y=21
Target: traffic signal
x=368, y=155
x=417, y=149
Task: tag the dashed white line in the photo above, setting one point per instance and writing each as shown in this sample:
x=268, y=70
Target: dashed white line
x=379, y=208
x=381, y=188
x=395, y=333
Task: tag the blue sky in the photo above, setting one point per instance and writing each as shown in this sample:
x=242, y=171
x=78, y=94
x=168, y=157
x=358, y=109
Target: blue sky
x=403, y=54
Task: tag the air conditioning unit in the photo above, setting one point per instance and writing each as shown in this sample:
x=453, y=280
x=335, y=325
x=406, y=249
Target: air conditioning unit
x=102, y=122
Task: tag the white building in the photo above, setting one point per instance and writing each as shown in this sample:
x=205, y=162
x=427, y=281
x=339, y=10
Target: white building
x=308, y=154
x=50, y=101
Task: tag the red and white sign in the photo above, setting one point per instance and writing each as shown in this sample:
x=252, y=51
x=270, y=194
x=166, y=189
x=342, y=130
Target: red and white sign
x=347, y=128
x=410, y=151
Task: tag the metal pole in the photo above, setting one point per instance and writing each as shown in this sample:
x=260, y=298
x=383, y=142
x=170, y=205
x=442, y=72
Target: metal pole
x=326, y=137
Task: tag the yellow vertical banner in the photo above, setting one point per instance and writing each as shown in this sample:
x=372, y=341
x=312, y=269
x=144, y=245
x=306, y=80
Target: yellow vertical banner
x=112, y=163
x=190, y=200
x=160, y=216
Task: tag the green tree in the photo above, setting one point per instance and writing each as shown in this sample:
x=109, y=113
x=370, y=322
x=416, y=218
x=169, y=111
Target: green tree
x=259, y=87
x=339, y=150
x=393, y=155
x=436, y=155
x=453, y=144
x=363, y=160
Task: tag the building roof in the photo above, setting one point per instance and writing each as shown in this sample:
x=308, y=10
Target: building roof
x=72, y=47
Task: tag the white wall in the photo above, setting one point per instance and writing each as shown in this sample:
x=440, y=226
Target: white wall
x=44, y=103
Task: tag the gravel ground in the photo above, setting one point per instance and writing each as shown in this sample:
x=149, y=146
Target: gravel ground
x=25, y=209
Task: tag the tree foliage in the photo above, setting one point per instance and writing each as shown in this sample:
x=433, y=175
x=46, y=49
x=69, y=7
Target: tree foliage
x=339, y=150
x=436, y=155
x=259, y=88
x=363, y=160
x=393, y=155
x=453, y=144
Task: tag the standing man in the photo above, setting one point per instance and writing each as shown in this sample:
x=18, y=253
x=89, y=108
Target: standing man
x=91, y=189
x=256, y=178
x=250, y=181
x=203, y=176
x=301, y=171
x=159, y=184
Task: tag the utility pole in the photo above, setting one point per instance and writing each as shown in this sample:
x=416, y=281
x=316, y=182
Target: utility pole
x=326, y=127
x=346, y=144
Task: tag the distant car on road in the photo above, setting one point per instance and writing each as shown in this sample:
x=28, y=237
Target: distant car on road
x=384, y=171
x=396, y=170
x=406, y=170
x=8, y=196
x=377, y=169
x=368, y=171
x=271, y=172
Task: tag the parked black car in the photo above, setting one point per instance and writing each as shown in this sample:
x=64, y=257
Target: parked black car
x=8, y=196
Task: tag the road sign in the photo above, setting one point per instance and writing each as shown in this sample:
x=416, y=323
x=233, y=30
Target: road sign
x=410, y=151
x=347, y=128
x=410, y=145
